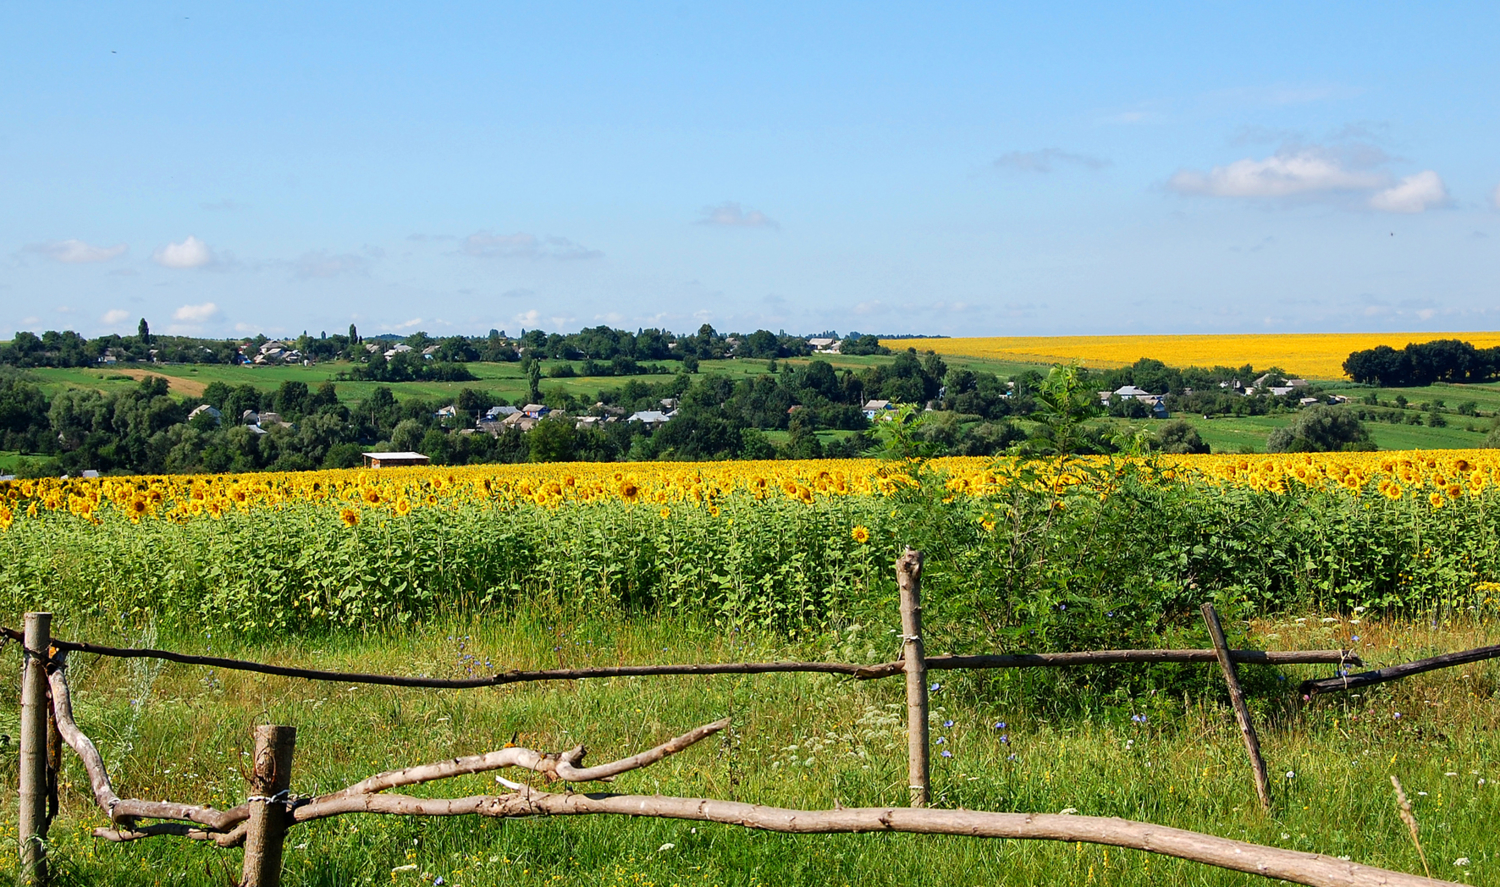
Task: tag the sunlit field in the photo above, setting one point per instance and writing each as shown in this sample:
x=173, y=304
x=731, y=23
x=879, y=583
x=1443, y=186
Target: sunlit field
x=1308, y=355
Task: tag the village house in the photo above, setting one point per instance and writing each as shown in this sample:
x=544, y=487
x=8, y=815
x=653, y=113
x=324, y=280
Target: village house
x=394, y=460
x=650, y=418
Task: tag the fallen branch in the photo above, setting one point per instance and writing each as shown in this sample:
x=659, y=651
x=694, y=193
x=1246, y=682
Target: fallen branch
x=1271, y=862
x=121, y=811
x=1310, y=689
x=856, y=670
x=561, y=766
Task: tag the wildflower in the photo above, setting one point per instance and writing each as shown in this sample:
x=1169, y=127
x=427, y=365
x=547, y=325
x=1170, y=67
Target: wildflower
x=349, y=516
x=941, y=740
x=999, y=725
x=947, y=754
x=934, y=688
x=948, y=723
x=1291, y=774
x=860, y=534
x=1461, y=861
x=1397, y=716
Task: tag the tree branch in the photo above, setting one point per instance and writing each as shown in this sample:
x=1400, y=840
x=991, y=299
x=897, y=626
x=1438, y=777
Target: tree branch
x=1270, y=862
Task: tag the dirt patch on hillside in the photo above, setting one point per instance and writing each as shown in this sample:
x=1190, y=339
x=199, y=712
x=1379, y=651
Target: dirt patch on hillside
x=178, y=385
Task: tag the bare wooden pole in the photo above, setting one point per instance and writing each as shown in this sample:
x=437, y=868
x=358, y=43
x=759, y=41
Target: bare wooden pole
x=1396, y=672
x=1241, y=711
x=909, y=579
x=269, y=792
x=1298, y=867
x=32, y=781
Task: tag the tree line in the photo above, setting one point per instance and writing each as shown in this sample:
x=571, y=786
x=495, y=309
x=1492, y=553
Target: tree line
x=1423, y=363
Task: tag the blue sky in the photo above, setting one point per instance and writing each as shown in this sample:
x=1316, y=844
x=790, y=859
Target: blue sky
x=963, y=169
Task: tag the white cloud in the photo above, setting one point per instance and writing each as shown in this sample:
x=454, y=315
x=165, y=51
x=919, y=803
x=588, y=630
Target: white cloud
x=76, y=252
x=115, y=316
x=731, y=215
x=1047, y=159
x=1285, y=174
x=485, y=245
x=197, y=313
x=191, y=253
x=410, y=324
x=1412, y=194
x=1495, y=198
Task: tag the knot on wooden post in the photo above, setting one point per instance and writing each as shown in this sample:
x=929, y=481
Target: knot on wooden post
x=270, y=781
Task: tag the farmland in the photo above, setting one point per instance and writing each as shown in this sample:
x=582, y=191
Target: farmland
x=462, y=572
x=1313, y=355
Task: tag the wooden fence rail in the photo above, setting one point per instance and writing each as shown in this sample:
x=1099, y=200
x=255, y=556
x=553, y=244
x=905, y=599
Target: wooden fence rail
x=851, y=669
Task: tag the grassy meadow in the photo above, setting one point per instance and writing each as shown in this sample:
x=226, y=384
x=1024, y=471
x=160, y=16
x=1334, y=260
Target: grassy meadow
x=1005, y=741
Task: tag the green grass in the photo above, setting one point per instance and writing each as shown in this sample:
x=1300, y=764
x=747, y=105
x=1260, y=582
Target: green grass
x=798, y=740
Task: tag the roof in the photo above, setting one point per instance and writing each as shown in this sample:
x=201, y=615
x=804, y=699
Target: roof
x=877, y=405
x=1130, y=391
x=407, y=454
x=649, y=416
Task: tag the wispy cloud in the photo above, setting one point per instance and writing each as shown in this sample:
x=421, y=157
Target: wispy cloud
x=76, y=252
x=1495, y=198
x=730, y=214
x=1047, y=160
x=1413, y=194
x=114, y=316
x=196, y=313
x=322, y=264
x=485, y=245
x=190, y=253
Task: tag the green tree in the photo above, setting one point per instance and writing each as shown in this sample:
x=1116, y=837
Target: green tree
x=552, y=440
x=1178, y=437
x=1320, y=429
x=1063, y=403
x=143, y=332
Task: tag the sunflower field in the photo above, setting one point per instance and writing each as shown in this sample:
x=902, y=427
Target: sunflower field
x=1044, y=553
x=1314, y=355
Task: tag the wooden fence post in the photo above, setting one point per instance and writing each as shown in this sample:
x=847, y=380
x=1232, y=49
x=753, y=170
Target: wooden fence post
x=269, y=793
x=1241, y=711
x=32, y=781
x=909, y=578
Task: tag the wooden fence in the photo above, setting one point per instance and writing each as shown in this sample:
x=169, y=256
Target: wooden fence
x=270, y=809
